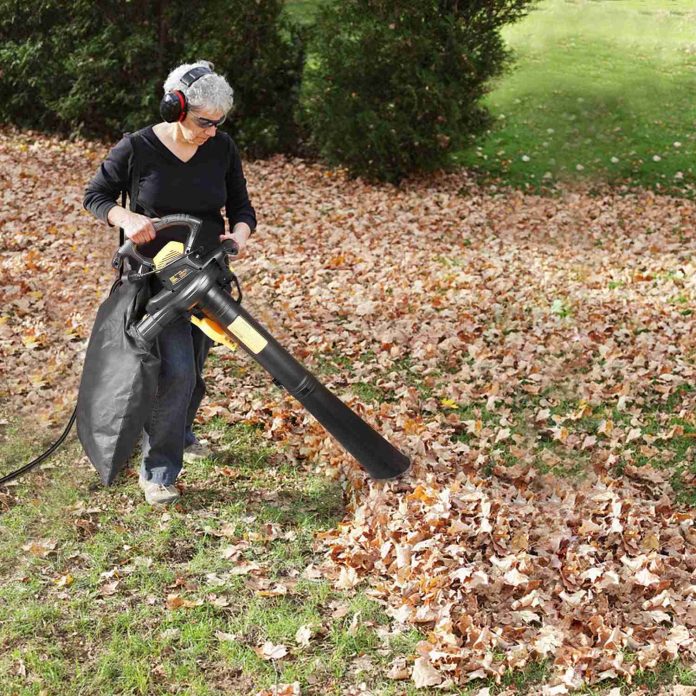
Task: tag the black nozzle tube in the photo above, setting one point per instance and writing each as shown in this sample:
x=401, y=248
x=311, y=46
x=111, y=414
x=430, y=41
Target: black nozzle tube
x=377, y=456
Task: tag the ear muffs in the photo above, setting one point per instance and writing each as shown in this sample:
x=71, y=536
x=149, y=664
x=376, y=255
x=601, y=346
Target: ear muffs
x=174, y=106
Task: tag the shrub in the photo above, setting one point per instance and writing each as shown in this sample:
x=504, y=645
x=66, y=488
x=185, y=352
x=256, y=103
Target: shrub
x=395, y=85
x=97, y=68
x=262, y=55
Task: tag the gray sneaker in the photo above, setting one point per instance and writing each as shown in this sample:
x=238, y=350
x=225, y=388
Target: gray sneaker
x=196, y=452
x=158, y=493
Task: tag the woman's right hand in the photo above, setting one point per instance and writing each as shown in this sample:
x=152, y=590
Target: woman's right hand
x=139, y=228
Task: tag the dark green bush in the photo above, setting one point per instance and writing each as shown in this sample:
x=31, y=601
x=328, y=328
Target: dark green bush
x=97, y=68
x=395, y=85
x=262, y=55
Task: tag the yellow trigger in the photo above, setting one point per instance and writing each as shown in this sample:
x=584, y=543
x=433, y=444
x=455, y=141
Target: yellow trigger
x=213, y=330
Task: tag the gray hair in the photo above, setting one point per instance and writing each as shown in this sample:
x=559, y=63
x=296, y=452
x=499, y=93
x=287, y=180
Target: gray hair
x=210, y=91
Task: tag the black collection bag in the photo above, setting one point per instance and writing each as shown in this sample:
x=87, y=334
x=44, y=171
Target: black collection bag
x=120, y=373
x=119, y=381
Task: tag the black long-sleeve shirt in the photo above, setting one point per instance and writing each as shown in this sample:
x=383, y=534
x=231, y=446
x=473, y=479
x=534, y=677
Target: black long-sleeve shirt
x=211, y=180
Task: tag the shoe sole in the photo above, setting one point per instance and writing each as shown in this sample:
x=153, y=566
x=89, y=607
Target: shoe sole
x=192, y=458
x=162, y=502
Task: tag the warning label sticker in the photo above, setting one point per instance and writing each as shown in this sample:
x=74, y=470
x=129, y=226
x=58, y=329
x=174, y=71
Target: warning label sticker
x=248, y=335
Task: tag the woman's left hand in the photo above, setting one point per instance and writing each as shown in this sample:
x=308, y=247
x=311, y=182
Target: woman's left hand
x=240, y=235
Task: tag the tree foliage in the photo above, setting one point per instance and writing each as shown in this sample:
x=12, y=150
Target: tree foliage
x=396, y=85
x=98, y=68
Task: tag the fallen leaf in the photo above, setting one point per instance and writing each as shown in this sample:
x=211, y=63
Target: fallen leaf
x=347, y=579
x=424, y=674
x=303, y=635
x=269, y=651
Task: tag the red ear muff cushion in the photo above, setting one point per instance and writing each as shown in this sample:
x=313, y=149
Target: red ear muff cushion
x=182, y=101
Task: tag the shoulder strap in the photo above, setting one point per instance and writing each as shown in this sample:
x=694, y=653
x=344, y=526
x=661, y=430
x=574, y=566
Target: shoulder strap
x=133, y=183
x=121, y=236
x=134, y=170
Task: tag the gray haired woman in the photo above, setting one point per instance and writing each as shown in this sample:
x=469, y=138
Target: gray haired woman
x=186, y=165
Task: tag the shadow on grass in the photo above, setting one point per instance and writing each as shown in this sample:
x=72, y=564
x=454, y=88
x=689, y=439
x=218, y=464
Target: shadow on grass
x=322, y=503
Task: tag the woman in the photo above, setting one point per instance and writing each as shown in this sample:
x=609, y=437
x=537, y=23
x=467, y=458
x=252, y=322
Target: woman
x=187, y=166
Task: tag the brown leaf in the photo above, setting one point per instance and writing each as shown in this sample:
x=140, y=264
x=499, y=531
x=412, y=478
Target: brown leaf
x=175, y=601
x=424, y=674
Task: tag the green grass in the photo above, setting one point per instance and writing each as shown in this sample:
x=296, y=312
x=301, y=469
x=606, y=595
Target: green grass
x=598, y=91
x=674, y=455
x=63, y=630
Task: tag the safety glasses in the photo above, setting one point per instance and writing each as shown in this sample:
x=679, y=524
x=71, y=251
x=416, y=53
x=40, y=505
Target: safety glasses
x=206, y=122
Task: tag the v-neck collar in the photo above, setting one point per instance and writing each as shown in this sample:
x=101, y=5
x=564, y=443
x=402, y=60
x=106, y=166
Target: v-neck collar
x=164, y=147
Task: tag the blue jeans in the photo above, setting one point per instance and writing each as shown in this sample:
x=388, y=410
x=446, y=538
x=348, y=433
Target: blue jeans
x=180, y=389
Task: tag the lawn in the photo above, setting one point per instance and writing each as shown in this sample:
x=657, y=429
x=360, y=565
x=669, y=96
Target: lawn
x=600, y=91
x=103, y=594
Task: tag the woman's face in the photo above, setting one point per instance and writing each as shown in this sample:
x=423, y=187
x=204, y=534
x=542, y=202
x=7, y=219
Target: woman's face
x=200, y=124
